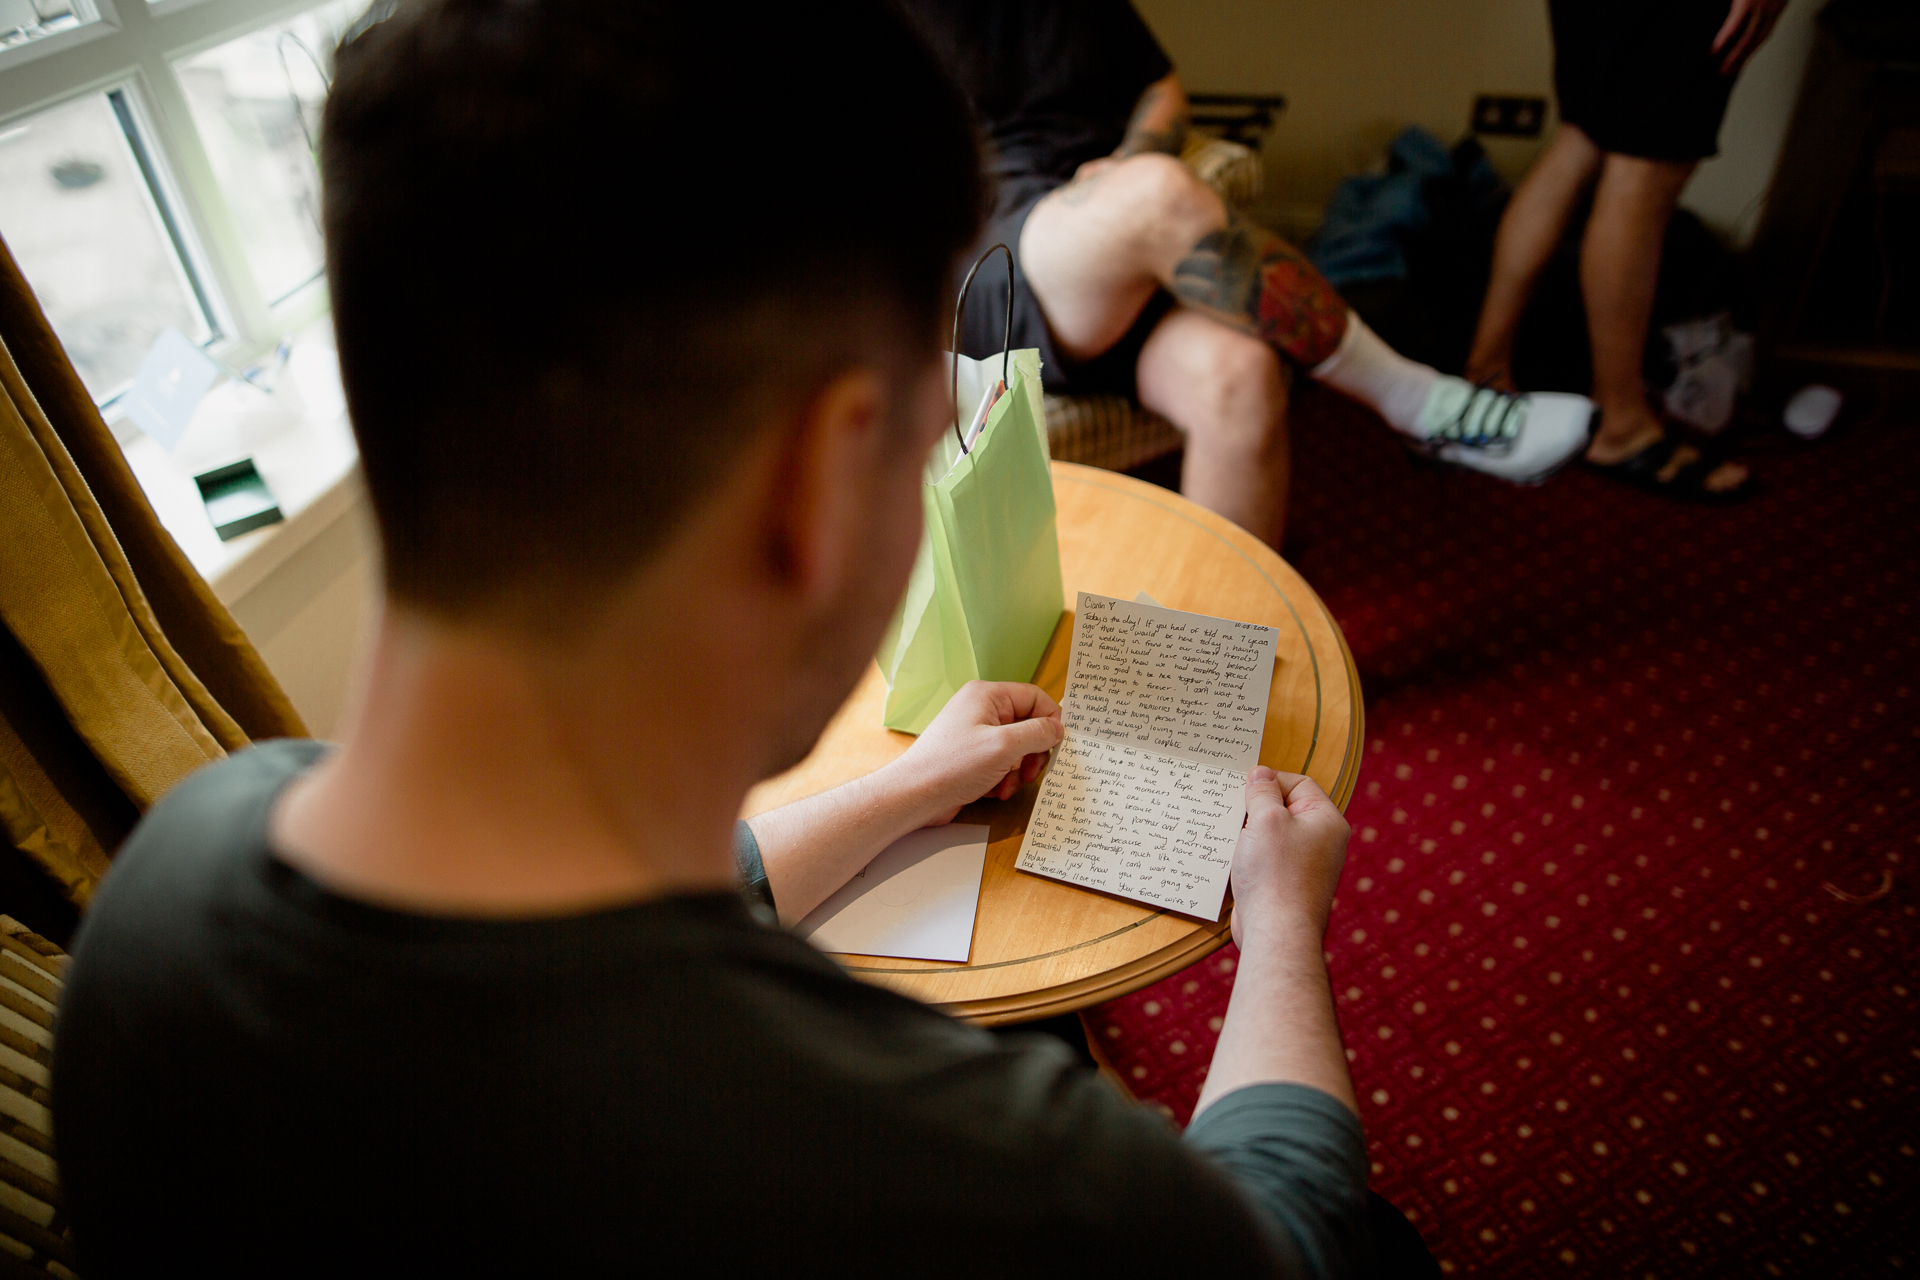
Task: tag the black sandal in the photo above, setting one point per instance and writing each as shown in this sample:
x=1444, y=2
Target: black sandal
x=1689, y=484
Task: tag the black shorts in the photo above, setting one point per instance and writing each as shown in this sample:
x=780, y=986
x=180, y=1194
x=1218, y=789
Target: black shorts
x=1639, y=77
x=982, y=327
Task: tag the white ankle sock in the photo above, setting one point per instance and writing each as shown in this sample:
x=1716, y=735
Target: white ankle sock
x=1376, y=375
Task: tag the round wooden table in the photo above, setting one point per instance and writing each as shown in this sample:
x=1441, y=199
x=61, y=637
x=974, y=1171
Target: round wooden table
x=1041, y=947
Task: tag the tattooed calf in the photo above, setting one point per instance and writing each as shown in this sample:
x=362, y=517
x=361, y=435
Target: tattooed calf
x=1252, y=279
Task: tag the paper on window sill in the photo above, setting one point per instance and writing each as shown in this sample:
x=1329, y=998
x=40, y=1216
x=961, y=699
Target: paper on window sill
x=300, y=440
x=915, y=900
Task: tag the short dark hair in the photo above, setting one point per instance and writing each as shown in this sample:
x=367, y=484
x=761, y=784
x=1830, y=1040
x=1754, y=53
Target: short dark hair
x=580, y=249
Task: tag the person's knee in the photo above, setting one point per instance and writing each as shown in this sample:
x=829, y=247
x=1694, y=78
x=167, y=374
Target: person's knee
x=1243, y=389
x=1640, y=179
x=1573, y=150
x=1166, y=197
x=1573, y=156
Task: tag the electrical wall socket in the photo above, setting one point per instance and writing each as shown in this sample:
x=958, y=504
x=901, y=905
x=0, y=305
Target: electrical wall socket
x=1509, y=117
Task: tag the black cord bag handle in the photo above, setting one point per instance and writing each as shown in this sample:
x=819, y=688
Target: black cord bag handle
x=1006, y=338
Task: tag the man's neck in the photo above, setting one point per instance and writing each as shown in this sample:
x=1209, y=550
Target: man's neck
x=476, y=782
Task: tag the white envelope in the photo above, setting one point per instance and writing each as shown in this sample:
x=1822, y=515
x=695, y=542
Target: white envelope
x=915, y=900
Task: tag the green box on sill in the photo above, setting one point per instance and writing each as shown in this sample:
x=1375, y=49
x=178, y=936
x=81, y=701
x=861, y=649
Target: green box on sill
x=238, y=500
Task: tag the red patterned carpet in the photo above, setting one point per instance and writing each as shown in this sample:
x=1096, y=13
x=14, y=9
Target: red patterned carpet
x=1626, y=950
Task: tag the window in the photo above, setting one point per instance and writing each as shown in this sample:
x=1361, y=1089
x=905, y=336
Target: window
x=256, y=104
x=79, y=213
x=184, y=193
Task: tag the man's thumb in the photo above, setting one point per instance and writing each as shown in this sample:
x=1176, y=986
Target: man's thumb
x=1263, y=790
x=1032, y=736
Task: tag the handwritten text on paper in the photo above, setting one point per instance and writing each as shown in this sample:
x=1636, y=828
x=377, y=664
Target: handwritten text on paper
x=1164, y=713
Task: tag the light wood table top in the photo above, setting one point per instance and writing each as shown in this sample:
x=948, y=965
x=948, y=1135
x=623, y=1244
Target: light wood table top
x=1041, y=947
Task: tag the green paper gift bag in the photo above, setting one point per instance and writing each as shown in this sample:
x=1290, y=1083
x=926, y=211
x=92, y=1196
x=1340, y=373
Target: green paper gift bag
x=985, y=593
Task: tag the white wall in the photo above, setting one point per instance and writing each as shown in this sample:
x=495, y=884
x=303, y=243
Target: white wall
x=306, y=616
x=1356, y=71
x=1729, y=191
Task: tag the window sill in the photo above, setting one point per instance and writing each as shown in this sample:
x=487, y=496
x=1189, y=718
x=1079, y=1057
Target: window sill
x=298, y=437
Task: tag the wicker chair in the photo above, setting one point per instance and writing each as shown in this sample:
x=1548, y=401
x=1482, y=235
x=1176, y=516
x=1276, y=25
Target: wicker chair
x=1113, y=431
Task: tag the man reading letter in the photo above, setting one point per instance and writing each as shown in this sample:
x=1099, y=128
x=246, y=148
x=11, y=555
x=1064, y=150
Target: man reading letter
x=496, y=985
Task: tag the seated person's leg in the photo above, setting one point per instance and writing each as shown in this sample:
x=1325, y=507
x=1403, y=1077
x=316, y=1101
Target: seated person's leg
x=1225, y=390
x=1247, y=277
x=1094, y=252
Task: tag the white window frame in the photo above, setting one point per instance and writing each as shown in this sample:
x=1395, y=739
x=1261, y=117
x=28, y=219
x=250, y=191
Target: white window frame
x=132, y=45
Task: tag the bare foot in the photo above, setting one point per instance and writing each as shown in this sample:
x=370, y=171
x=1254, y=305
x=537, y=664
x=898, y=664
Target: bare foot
x=1621, y=436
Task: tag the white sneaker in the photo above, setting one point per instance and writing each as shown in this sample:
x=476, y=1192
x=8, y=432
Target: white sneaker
x=1519, y=438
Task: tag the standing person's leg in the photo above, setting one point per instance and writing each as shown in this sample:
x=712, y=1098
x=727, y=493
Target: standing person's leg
x=1619, y=270
x=1642, y=81
x=1530, y=230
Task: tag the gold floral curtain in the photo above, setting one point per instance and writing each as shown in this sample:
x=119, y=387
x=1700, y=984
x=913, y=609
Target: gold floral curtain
x=120, y=672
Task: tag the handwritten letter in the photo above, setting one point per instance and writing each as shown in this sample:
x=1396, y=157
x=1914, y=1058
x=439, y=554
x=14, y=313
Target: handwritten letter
x=1164, y=712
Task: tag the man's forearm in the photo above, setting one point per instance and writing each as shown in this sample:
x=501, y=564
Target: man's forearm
x=813, y=846
x=1280, y=1024
x=989, y=740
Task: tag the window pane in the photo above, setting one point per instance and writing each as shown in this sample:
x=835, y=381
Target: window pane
x=256, y=102
x=80, y=219
x=22, y=21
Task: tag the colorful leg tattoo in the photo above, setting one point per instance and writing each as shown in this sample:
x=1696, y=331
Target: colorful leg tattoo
x=1256, y=281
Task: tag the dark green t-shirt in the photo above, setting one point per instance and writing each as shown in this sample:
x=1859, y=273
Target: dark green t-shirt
x=256, y=1075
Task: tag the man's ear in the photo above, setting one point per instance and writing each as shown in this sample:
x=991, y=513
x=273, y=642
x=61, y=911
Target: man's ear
x=825, y=481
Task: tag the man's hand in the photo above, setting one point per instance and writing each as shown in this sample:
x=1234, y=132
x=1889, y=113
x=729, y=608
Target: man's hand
x=1280, y=1023
x=1748, y=24
x=1288, y=861
x=990, y=739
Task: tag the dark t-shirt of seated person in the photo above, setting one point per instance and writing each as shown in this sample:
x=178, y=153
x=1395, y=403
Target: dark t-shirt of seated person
x=257, y=1076
x=1052, y=82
